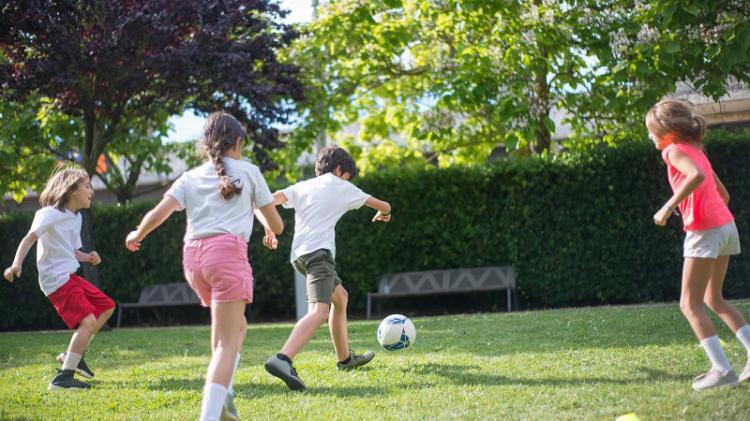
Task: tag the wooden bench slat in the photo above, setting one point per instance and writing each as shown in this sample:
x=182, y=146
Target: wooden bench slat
x=162, y=295
x=448, y=281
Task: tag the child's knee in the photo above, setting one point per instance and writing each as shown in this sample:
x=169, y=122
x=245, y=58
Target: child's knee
x=340, y=296
x=320, y=312
x=714, y=302
x=88, y=324
x=690, y=308
x=106, y=314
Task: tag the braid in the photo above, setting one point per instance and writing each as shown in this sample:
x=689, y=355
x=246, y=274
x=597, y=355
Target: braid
x=220, y=134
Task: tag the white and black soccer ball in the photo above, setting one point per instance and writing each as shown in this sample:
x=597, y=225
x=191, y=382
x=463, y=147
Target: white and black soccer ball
x=396, y=332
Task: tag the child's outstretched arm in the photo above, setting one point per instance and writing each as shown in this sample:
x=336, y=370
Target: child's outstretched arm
x=21, y=252
x=383, y=208
x=271, y=220
x=151, y=221
x=693, y=178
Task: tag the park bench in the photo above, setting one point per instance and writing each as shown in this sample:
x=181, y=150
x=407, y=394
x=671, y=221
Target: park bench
x=161, y=295
x=407, y=284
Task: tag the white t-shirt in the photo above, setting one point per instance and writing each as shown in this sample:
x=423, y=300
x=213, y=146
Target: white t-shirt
x=59, y=235
x=318, y=205
x=208, y=214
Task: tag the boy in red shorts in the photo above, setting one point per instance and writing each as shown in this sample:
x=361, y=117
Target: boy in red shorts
x=83, y=307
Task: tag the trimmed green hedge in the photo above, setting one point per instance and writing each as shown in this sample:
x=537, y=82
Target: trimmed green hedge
x=578, y=229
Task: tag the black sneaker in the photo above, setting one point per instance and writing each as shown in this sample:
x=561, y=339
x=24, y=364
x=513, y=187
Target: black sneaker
x=82, y=368
x=65, y=380
x=356, y=360
x=283, y=370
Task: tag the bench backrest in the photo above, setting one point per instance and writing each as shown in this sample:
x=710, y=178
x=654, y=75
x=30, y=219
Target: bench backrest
x=173, y=293
x=448, y=280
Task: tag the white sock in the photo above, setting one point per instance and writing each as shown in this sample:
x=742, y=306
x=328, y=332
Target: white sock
x=743, y=334
x=715, y=353
x=214, y=396
x=230, y=389
x=71, y=361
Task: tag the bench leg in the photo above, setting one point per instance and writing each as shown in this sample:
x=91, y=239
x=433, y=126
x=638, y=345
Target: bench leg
x=369, y=306
x=509, y=305
x=119, y=316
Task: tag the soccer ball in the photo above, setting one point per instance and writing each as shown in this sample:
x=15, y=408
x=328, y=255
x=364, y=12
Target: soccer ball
x=396, y=332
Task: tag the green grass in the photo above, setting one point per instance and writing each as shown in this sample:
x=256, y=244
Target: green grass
x=593, y=363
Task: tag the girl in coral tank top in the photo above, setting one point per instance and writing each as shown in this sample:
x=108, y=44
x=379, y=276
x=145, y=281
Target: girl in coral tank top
x=710, y=234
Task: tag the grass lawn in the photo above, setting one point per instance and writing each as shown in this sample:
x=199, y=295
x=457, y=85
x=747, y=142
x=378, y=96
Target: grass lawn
x=593, y=363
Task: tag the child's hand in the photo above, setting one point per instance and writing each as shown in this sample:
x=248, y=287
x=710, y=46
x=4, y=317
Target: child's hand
x=94, y=258
x=380, y=216
x=662, y=215
x=11, y=272
x=270, y=241
x=132, y=242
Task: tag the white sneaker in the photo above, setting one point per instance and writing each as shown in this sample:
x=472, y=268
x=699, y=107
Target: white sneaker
x=715, y=378
x=745, y=375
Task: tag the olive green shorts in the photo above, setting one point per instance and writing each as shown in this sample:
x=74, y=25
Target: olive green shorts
x=319, y=269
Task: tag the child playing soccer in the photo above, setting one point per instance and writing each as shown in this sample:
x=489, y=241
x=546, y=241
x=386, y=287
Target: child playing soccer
x=219, y=197
x=82, y=306
x=319, y=203
x=710, y=234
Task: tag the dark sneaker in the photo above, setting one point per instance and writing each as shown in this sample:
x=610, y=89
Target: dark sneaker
x=82, y=368
x=228, y=410
x=356, y=360
x=283, y=370
x=65, y=380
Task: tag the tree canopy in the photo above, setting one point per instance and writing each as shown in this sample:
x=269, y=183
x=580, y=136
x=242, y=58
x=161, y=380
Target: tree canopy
x=109, y=62
x=453, y=80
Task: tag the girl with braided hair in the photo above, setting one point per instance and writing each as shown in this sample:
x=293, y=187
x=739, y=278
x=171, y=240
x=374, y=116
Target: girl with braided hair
x=220, y=198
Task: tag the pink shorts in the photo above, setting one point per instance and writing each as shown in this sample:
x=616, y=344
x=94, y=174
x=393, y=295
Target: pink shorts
x=217, y=269
x=77, y=298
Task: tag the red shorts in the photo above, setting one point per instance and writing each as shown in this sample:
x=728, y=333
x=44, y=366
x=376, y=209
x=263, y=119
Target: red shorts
x=77, y=298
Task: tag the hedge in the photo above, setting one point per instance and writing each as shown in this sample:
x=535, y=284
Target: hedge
x=578, y=229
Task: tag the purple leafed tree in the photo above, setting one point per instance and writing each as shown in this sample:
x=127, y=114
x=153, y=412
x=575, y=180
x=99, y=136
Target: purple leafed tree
x=104, y=61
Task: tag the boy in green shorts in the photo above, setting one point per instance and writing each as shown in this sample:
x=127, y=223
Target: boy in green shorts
x=319, y=203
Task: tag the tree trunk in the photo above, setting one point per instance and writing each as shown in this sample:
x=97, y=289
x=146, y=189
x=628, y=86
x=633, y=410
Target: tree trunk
x=541, y=109
x=90, y=272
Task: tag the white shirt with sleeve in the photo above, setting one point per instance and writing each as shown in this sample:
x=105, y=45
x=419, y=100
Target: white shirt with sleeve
x=208, y=214
x=318, y=205
x=59, y=233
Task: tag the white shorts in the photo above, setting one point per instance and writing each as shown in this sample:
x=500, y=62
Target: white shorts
x=710, y=244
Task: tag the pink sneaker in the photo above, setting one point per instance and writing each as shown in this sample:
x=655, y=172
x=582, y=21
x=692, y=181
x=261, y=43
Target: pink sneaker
x=714, y=378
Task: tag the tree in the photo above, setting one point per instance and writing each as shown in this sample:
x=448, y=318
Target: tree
x=645, y=48
x=454, y=79
x=104, y=62
x=25, y=158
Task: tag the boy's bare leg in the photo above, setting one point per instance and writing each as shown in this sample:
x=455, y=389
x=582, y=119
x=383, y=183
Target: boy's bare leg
x=305, y=329
x=103, y=319
x=82, y=335
x=98, y=323
x=337, y=323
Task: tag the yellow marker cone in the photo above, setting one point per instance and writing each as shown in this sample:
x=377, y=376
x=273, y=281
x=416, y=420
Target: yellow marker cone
x=628, y=417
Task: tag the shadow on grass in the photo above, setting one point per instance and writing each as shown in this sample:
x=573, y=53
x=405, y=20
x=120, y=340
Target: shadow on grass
x=472, y=375
x=244, y=390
